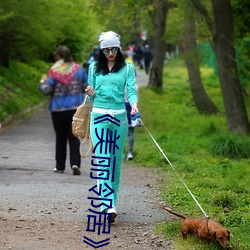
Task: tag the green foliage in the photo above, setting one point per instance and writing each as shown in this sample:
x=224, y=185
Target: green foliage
x=176, y=18
x=127, y=17
x=231, y=146
x=170, y=230
x=243, y=59
x=241, y=17
x=29, y=33
x=175, y=25
x=19, y=87
x=224, y=200
x=219, y=183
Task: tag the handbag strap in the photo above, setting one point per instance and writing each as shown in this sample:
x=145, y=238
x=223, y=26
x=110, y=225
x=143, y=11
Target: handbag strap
x=85, y=99
x=90, y=149
x=84, y=140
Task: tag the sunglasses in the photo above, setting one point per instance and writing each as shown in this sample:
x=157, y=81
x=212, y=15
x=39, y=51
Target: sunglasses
x=106, y=51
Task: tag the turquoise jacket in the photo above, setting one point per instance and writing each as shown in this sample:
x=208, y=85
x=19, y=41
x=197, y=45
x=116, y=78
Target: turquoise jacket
x=110, y=88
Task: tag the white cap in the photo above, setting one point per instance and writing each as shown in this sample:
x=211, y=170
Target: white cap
x=109, y=39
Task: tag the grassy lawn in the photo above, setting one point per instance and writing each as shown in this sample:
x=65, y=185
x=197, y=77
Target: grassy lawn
x=214, y=164
x=19, y=88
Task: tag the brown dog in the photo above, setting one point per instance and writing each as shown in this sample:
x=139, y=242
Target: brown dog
x=204, y=228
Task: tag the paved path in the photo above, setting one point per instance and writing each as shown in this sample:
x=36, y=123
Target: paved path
x=40, y=209
x=141, y=78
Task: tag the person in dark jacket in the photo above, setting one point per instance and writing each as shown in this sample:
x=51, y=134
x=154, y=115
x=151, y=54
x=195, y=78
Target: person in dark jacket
x=147, y=54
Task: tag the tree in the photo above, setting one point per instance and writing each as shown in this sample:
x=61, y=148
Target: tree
x=223, y=38
x=28, y=33
x=201, y=99
x=159, y=46
x=126, y=17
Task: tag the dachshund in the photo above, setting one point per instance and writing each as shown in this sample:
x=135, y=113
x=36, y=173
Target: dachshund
x=204, y=229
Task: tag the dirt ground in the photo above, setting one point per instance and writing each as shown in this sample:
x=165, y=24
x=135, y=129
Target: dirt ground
x=40, y=209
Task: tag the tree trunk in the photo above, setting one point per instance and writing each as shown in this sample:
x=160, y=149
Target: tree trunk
x=223, y=38
x=159, y=47
x=201, y=99
x=235, y=109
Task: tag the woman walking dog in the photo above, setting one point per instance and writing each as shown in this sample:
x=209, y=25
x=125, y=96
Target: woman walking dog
x=108, y=78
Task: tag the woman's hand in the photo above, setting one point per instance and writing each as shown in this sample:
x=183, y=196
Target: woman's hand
x=134, y=109
x=90, y=91
x=43, y=79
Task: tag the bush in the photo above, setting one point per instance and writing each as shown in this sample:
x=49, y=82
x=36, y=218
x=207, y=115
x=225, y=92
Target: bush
x=231, y=146
x=19, y=88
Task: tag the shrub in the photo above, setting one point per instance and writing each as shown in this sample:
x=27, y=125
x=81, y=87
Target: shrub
x=231, y=146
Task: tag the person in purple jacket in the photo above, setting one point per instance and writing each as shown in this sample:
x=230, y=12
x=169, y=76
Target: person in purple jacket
x=65, y=83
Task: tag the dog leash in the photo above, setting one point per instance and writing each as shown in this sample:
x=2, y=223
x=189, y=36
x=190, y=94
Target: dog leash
x=174, y=169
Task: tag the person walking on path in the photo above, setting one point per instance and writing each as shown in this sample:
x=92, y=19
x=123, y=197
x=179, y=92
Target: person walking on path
x=131, y=129
x=65, y=84
x=108, y=78
x=147, y=54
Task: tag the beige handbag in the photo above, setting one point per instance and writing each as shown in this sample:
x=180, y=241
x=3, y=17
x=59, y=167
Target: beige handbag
x=81, y=125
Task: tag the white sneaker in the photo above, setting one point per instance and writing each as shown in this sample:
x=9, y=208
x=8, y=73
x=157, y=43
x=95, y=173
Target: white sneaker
x=113, y=213
x=58, y=171
x=129, y=156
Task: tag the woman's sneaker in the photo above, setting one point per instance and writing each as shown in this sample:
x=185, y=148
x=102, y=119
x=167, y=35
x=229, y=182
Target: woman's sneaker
x=112, y=215
x=76, y=170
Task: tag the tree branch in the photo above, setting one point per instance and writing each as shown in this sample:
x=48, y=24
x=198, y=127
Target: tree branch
x=202, y=9
x=172, y=5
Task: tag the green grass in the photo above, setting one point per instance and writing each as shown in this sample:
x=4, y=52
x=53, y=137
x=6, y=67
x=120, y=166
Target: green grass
x=214, y=164
x=19, y=88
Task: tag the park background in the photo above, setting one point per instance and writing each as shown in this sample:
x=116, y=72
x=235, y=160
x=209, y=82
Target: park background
x=201, y=138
